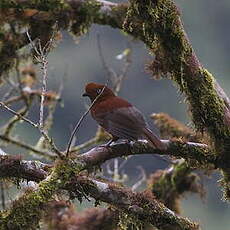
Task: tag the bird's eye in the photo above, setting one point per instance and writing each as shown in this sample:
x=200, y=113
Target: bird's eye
x=98, y=91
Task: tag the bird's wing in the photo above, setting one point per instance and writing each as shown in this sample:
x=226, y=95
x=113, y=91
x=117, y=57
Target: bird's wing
x=126, y=122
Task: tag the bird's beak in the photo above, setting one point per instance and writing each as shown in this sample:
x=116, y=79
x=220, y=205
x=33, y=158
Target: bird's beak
x=85, y=95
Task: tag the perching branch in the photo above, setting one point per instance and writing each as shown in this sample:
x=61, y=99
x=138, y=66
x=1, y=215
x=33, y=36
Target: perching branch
x=140, y=205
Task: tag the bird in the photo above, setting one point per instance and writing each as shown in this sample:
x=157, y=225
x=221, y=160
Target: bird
x=118, y=117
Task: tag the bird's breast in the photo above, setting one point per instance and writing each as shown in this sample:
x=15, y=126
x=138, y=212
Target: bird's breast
x=109, y=105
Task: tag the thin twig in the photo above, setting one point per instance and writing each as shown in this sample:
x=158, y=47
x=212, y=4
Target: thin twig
x=44, y=87
x=110, y=72
x=80, y=121
x=8, y=94
x=18, y=77
x=12, y=100
x=48, y=139
x=12, y=122
x=19, y=115
x=23, y=145
x=141, y=178
x=41, y=57
x=51, y=143
x=121, y=77
x=32, y=43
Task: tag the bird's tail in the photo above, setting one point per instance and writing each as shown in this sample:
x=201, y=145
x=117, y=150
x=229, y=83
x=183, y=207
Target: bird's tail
x=154, y=139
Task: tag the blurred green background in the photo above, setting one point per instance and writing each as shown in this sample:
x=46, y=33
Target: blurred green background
x=207, y=25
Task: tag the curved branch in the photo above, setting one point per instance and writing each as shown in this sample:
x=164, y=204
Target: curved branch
x=187, y=150
x=198, y=154
x=14, y=166
x=140, y=205
x=28, y=208
x=158, y=25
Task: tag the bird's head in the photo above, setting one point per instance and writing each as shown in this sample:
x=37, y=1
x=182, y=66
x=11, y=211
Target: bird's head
x=92, y=90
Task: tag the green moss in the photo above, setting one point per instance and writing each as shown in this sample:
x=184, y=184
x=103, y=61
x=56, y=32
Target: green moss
x=43, y=5
x=127, y=221
x=85, y=17
x=202, y=159
x=208, y=109
x=27, y=210
x=163, y=33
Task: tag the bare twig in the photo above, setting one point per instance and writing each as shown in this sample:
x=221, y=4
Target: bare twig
x=41, y=57
x=51, y=143
x=80, y=121
x=23, y=145
x=9, y=93
x=18, y=115
x=127, y=63
x=117, y=176
x=110, y=72
x=142, y=178
x=18, y=78
x=48, y=139
x=11, y=100
x=44, y=87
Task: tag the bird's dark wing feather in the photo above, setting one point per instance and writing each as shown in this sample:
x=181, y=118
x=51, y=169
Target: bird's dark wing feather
x=125, y=123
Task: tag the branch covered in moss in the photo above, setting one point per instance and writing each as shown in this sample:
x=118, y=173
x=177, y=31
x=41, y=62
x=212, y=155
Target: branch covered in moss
x=27, y=210
x=140, y=207
x=198, y=154
x=171, y=184
x=14, y=166
x=170, y=127
x=158, y=24
x=163, y=32
x=40, y=16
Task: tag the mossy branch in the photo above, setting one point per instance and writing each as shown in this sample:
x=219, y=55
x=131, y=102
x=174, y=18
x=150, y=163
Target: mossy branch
x=26, y=212
x=14, y=166
x=171, y=184
x=163, y=33
x=158, y=24
x=141, y=207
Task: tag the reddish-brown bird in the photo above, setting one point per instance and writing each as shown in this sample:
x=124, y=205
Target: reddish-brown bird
x=118, y=117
